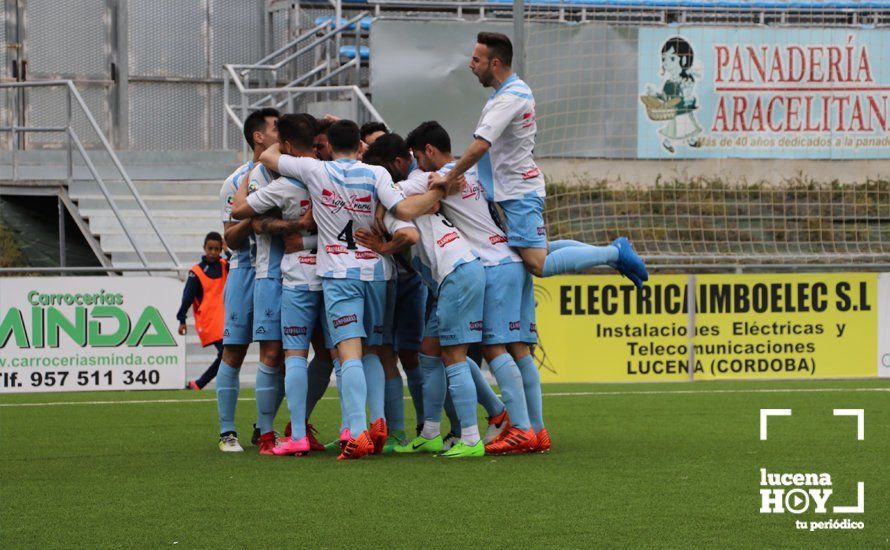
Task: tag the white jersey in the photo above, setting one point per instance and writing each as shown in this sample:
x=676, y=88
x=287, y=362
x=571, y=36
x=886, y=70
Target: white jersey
x=244, y=255
x=345, y=194
x=442, y=247
x=474, y=216
x=291, y=196
x=508, y=170
x=393, y=224
x=269, y=248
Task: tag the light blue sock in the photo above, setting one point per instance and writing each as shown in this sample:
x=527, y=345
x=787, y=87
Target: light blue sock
x=266, y=397
x=338, y=373
x=319, y=380
x=510, y=381
x=463, y=393
x=434, y=387
x=395, y=405
x=281, y=391
x=487, y=398
x=355, y=392
x=451, y=413
x=375, y=382
x=531, y=383
x=574, y=259
x=227, y=386
x=563, y=243
x=415, y=388
x=296, y=383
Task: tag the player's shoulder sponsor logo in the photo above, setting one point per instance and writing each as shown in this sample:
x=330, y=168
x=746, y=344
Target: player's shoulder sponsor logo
x=359, y=203
x=230, y=199
x=345, y=320
x=496, y=239
x=447, y=238
x=253, y=185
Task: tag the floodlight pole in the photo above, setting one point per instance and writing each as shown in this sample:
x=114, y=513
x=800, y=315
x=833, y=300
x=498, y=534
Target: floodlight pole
x=519, y=38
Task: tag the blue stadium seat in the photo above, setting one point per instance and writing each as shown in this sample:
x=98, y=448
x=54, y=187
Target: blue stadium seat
x=364, y=22
x=349, y=52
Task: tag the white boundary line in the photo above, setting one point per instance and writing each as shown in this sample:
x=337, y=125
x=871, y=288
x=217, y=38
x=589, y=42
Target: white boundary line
x=552, y=394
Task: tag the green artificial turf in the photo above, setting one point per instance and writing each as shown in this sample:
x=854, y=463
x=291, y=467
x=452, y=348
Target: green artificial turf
x=643, y=465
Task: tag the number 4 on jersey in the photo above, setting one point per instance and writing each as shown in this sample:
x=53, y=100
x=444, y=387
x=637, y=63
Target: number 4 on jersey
x=346, y=236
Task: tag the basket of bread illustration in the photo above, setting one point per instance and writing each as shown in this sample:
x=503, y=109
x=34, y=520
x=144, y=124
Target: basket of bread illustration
x=658, y=109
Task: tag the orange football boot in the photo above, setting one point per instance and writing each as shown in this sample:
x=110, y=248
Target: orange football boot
x=378, y=435
x=513, y=441
x=543, y=445
x=357, y=448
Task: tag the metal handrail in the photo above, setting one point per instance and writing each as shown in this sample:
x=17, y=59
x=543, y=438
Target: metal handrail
x=73, y=139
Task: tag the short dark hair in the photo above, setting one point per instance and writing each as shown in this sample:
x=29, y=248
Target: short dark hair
x=344, y=135
x=385, y=151
x=430, y=133
x=369, y=128
x=499, y=46
x=256, y=122
x=213, y=236
x=322, y=125
x=298, y=130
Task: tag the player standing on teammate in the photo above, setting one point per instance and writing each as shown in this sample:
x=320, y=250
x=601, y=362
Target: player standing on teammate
x=508, y=314
x=345, y=194
x=503, y=146
x=301, y=300
x=259, y=132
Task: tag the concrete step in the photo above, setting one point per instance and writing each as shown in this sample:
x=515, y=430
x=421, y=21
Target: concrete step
x=53, y=172
x=147, y=188
x=189, y=243
x=167, y=221
x=152, y=202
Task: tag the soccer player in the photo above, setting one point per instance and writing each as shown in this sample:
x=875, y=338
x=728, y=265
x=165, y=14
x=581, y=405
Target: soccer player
x=370, y=131
x=509, y=306
x=405, y=309
x=321, y=145
x=345, y=194
x=268, y=231
x=259, y=132
x=203, y=292
x=452, y=272
x=503, y=145
x=301, y=300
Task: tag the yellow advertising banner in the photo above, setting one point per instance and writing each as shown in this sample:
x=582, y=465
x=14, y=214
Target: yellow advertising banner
x=757, y=326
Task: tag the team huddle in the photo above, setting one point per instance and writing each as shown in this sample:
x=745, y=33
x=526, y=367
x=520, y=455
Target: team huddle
x=379, y=251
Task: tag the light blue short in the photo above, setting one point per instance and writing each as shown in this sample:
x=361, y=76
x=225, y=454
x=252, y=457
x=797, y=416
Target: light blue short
x=457, y=318
x=355, y=309
x=267, y=310
x=300, y=308
x=238, y=304
x=525, y=222
x=502, y=312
